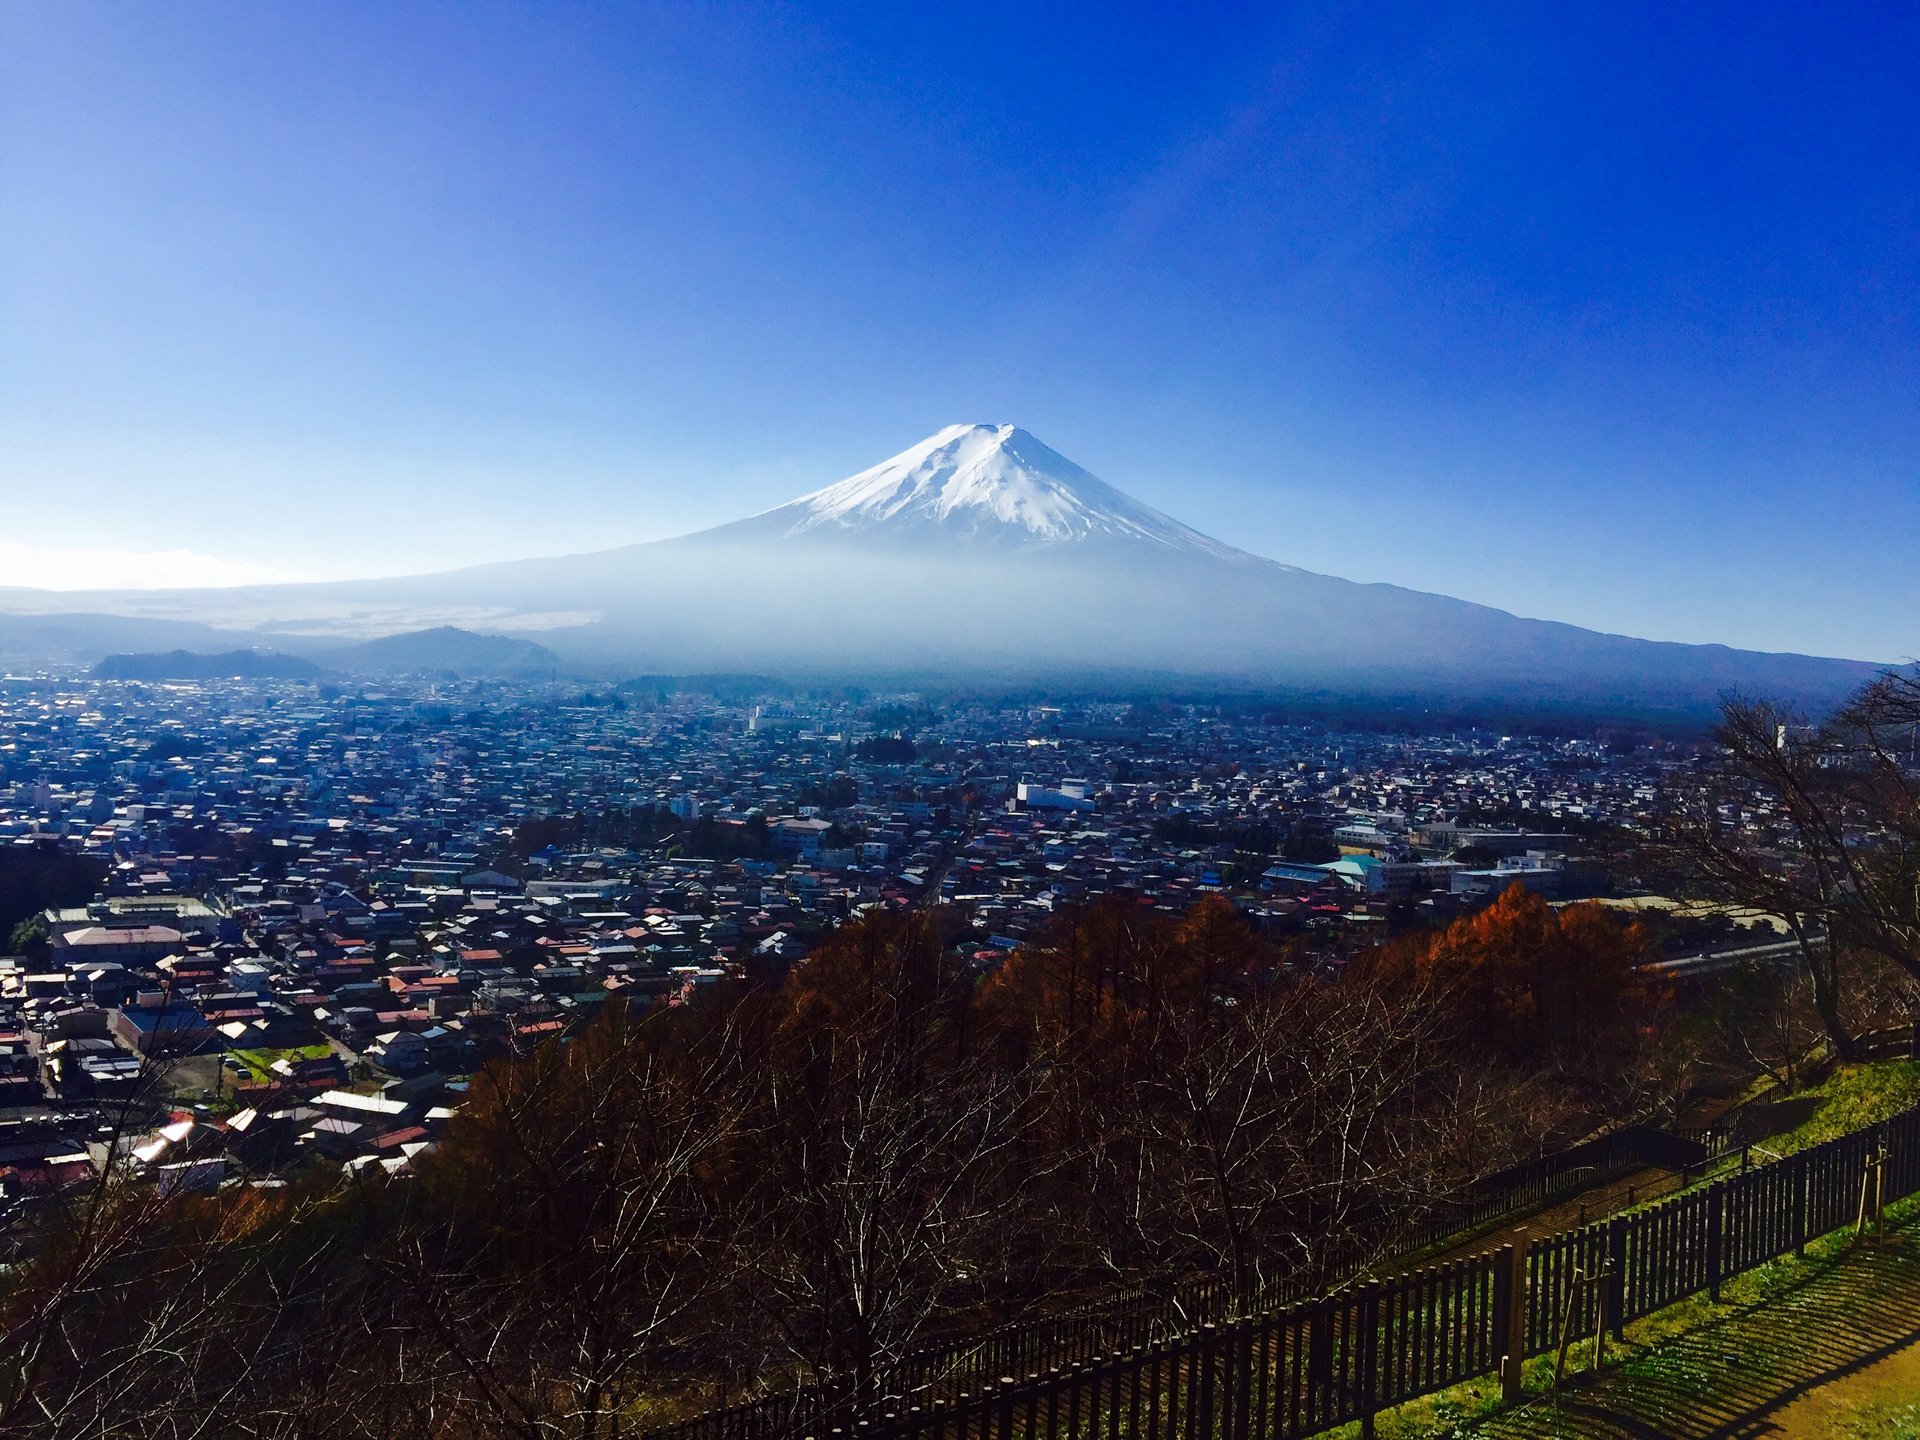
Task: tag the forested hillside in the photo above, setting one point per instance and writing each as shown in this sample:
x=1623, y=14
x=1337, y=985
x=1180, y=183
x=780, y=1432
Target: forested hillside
x=689, y=1203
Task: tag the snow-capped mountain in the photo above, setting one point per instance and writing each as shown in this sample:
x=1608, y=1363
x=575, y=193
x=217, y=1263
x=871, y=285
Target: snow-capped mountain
x=977, y=552
x=991, y=484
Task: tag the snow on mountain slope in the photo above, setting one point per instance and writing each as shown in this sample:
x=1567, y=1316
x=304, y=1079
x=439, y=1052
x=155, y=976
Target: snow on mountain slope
x=978, y=552
x=985, y=482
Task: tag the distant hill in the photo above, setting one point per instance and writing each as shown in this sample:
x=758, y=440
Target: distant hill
x=190, y=665
x=446, y=648
x=65, y=639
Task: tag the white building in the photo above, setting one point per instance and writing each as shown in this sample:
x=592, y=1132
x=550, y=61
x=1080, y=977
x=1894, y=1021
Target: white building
x=1067, y=795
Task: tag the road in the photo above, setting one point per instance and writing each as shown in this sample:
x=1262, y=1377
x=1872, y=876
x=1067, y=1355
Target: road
x=1783, y=954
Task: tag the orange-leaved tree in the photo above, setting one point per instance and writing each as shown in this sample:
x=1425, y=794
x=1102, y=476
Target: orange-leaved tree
x=1541, y=985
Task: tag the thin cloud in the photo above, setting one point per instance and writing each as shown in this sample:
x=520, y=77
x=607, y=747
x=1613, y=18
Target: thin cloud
x=44, y=567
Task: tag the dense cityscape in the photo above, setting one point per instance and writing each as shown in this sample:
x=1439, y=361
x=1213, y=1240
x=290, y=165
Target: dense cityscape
x=330, y=904
x=808, y=722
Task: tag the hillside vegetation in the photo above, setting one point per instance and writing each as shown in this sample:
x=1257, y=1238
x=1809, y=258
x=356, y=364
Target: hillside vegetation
x=677, y=1206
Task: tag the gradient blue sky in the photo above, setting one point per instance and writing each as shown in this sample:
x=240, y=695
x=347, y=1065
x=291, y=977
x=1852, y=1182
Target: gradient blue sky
x=1605, y=313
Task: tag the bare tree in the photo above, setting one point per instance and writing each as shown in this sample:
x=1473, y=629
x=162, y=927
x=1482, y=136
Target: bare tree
x=564, y=1245
x=886, y=1164
x=142, y=1306
x=1818, y=827
x=1764, y=1022
x=1285, y=1131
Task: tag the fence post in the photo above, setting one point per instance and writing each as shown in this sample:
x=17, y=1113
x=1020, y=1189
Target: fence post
x=1209, y=1348
x=1617, y=1280
x=1319, y=1355
x=1602, y=1303
x=1800, y=1204
x=1510, y=1317
x=1003, y=1410
x=1369, y=1367
x=1241, y=1393
x=1137, y=1360
x=1716, y=1231
x=1883, y=1153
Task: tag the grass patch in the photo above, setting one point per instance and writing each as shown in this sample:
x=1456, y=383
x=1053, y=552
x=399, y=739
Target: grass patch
x=1853, y=1097
x=260, y=1062
x=1712, y=1359
x=1452, y=1412
x=1849, y=1098
x=1893, y=1421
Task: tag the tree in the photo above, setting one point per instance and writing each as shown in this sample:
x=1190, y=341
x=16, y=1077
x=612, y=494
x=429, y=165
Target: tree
x=1765, y=1022
x=32, y=938
x=1309, y=844
x=881, y=1192
x=887, y=749
x=1206, y=1109
x=36, y=877
x=1539, y=986
x=138, y=1307
x=1283, y=1137
x=567, y=1234
x=1818, y=827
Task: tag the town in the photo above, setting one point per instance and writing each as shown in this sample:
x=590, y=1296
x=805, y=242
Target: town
x=322, y=907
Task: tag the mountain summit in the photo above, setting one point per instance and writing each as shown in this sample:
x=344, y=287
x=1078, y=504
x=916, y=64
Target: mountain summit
x=978, y=552
x=978, y=485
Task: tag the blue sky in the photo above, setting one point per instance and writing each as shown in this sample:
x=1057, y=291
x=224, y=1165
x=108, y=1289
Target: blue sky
x=1604, y=313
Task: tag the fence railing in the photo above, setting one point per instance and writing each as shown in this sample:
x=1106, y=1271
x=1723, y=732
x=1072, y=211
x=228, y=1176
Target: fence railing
x=1567, y=1172
x=1301, y=1368
x=1140, y=1317
x=1135, y=1317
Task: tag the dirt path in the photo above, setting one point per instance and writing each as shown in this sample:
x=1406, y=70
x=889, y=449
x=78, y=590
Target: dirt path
x=1594, y=1204
x=1879, y=1402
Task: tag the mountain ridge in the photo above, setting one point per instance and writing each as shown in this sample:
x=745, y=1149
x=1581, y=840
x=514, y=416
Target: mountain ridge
x=980, y=550
x=200, y=665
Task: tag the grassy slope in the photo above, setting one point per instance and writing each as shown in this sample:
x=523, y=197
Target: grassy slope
x=1700, y=1370
x=1852, y=1097
x=1766, y=1311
